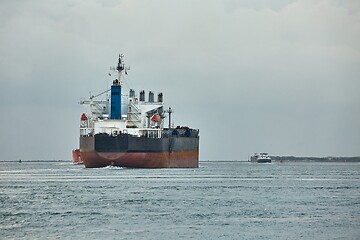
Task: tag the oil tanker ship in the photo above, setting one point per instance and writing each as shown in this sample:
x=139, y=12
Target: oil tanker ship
x=128, y=131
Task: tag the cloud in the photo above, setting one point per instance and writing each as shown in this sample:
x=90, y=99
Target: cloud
x=275, y=5
x=276, y=76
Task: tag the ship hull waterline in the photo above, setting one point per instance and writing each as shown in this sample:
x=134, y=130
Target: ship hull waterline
x=264, y=161
x=179, y=159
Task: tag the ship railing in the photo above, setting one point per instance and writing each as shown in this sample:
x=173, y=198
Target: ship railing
x=86, y=131
x=181, y=132
x=98, y=108
x=150, y=133
x=134, y=107
x=134, y=113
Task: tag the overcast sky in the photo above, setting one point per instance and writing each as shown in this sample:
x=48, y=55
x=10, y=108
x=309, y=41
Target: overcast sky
x=279, y=76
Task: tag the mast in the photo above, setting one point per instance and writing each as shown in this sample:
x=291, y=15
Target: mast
x=120, y=68
x=170, y=111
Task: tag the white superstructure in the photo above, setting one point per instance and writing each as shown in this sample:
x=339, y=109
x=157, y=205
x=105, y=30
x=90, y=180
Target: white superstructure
x=139, y=116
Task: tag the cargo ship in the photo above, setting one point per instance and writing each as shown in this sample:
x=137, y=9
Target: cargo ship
x=126, y=130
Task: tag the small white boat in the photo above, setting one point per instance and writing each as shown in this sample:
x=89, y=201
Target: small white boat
x=261, y=158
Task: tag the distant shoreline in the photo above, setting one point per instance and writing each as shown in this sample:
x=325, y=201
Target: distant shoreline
x=302, y=159
x=314, y=159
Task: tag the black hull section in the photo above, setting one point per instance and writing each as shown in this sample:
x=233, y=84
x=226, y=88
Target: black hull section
x=131, y=151
x=264, y=160
x=128, y=143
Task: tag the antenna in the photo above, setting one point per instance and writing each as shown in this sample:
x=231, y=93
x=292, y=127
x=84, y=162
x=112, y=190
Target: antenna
x=120, y=68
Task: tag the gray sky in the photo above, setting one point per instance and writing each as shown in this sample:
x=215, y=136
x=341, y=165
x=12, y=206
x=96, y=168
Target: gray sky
x=280, y=76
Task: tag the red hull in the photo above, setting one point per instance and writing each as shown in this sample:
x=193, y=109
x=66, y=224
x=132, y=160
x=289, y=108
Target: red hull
x=76, y=157
x=182, y=159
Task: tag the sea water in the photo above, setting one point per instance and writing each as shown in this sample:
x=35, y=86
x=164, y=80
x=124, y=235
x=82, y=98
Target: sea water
x=219, y=200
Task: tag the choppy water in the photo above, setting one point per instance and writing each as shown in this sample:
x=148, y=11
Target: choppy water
x=216, y=201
